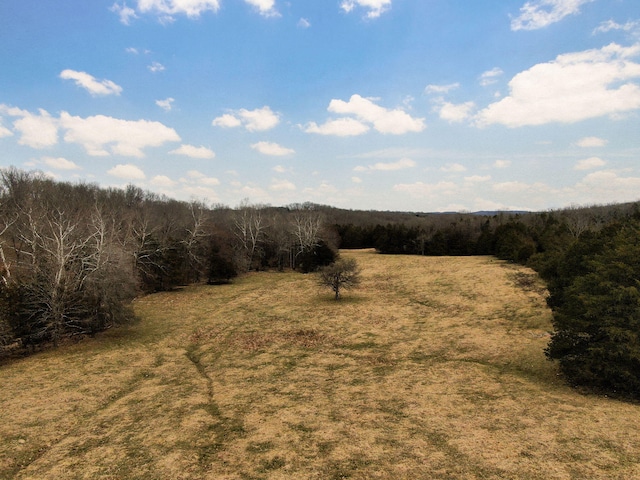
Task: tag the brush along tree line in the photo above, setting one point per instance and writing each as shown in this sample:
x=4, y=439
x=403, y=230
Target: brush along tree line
x=72, y=257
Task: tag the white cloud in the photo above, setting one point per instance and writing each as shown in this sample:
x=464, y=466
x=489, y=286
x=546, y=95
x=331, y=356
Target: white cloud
x=356, y=179
x=168, y=8
x=477, y=179
x=251, y=191
x=502, y=164
x=266, y=8
x=259, y=119
x=127, y=172
x=573, y=87
x=125, y=13
x=441, y=89
x=227, y=121
x=4, y=131
x=282, y=185
x=392, y=152
x=541, y=13
x=36, y=131
x=156, y=67
x=162, y=181
x=386, y=121
x=454, y=113
x=131, y=50
x=101, y=135
x=490, y=76
x=193, y=152
x=166, y=104
x=401, y=164
x=91, y=84
x=323, y=190
x=210, y=181
x=341, y=127
x=304, y=23
x=589, y=163
x=588, y=142
x=199, y=178
x=279, y=169
x=632, y=27
x=195, y=174
x=273, y=149
x=375, y=8
x=521, y=188
x=60, y=163
x=431, y=190
x=453, y=168
x=608, y=186
x=201, y=191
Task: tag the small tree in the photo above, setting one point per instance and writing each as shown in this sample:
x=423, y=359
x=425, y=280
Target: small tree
x=344, y=273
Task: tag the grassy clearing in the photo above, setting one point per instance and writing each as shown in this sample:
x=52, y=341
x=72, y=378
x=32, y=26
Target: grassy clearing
x=434, y=368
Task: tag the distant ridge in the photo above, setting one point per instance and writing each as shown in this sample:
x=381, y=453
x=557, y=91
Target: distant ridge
x=491, y=213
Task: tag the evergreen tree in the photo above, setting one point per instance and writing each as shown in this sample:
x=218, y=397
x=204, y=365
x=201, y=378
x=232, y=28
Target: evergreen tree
x=596, y=302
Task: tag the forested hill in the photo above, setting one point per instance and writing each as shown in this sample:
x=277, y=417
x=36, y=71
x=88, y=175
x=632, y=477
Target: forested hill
x=73, y=256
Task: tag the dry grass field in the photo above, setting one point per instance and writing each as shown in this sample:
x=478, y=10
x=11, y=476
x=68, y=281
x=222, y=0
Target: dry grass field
x=432, y=369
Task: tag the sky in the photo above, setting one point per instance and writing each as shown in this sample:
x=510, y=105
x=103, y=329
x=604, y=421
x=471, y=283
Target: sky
x=402, y=105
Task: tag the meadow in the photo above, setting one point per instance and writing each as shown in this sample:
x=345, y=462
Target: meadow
x=433, y=368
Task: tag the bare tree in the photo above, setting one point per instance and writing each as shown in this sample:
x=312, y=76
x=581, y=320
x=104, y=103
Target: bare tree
x=282, y=240
x=5, y=265
x=342, y=274
x=249, y=227
x=195, y=240
x=306, y=225
x=578, y=220
x=69, y=274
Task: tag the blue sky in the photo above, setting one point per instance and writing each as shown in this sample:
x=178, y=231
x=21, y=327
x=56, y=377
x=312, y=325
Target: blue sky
x=415, y=105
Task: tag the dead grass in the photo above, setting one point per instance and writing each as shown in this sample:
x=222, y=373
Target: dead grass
x=433, y=368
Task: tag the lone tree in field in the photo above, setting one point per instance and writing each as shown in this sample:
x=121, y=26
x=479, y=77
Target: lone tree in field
x=344, y=273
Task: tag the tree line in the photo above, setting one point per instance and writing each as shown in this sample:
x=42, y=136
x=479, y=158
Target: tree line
x=73, y=256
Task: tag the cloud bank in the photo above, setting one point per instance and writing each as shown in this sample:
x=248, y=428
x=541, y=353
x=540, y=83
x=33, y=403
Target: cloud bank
x=571, y=88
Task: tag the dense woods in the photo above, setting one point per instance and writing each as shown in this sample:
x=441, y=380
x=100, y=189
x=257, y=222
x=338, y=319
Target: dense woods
x=73, y=256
